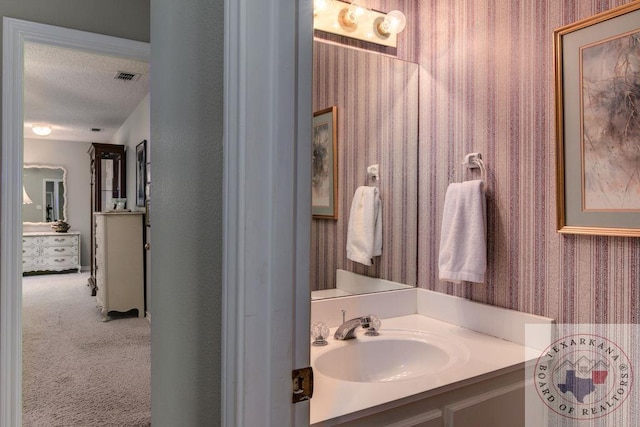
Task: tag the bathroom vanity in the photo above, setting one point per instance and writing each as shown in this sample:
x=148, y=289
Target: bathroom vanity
x=459, y=363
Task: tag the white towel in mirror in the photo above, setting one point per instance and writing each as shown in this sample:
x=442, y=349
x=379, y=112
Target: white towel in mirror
x=364, y=233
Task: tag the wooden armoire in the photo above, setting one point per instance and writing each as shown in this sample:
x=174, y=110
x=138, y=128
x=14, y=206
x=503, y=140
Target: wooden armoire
x=108, y=181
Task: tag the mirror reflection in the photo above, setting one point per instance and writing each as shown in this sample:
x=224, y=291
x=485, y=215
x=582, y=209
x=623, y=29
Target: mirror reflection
x=376, y=98
x=43, y=194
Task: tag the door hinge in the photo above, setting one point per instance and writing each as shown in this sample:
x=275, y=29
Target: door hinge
x=302, y=384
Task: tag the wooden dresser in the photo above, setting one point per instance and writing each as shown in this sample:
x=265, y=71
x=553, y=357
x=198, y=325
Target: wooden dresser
x=50, y=251
x=119, y=264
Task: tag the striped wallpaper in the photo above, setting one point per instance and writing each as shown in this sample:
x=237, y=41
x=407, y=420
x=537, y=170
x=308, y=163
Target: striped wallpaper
x=377, y=100
x=486, y=84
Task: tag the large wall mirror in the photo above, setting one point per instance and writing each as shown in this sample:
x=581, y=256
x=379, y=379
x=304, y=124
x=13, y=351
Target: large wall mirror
x=376, y=97
x=44, y=195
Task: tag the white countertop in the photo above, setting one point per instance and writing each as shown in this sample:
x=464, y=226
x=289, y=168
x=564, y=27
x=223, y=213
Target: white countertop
x=482, y=357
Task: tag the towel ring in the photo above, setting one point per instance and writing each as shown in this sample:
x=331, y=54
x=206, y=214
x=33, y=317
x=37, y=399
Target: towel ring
x=373, y=172
x=473, y=161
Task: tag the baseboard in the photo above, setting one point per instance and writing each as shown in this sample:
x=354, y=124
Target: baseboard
x=148, y=315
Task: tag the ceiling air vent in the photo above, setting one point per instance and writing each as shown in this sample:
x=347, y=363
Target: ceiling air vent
x=96, y=130
x=127, y=76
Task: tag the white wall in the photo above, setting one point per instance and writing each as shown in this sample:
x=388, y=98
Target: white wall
x=133, y=131
x=72, y=156
x=187, y=146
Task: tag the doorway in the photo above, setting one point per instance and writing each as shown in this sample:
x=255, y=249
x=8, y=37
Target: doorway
x=16, y=34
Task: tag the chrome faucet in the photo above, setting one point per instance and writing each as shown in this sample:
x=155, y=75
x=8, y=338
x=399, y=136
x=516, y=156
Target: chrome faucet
x=347, y=330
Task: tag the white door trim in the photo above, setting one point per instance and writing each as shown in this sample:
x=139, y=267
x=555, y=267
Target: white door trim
x=15, y=33
x=267, y=213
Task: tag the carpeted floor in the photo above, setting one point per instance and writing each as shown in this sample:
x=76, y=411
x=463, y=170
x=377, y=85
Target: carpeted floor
x=77, y=370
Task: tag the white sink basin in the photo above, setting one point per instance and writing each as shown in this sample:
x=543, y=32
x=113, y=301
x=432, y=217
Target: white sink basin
x=392, y=356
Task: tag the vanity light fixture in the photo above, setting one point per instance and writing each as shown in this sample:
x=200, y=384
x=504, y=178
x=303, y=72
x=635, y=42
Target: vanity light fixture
x=26, y=200
x=356, y=20
x=41, y=129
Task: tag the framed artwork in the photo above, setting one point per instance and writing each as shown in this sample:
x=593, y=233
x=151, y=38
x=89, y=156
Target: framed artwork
x=141, y=172
x=597, y=64
x=324, y=180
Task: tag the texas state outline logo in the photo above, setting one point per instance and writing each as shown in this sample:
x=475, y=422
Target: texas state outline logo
x=583, y=376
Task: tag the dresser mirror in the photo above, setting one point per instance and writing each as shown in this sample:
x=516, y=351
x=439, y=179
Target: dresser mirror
x=44, y=194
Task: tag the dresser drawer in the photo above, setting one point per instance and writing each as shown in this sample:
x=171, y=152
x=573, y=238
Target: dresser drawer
x=61, y=262
x=29, y=241
x=30, y=263
x=28, y=251
x=60, y=250
x=69, y=240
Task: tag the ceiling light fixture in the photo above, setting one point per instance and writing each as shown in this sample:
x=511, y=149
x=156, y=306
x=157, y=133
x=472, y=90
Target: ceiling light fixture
x=41, y=129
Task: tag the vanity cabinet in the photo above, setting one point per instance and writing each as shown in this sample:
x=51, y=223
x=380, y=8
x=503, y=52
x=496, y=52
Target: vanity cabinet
x=119, y=262
x=498, y=401
x=50, y=251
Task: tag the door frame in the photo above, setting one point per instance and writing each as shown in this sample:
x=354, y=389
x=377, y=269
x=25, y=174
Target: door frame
x=15, y=33
x=267, y=214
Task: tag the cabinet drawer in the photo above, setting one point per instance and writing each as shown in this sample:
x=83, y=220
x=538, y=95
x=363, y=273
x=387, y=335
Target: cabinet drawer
x=60, y=250
x=62, y=261
x=28, y=251
x=99, y=241
x=29, y=263
x=29, y=241
x=99, y=224
x=60, y=240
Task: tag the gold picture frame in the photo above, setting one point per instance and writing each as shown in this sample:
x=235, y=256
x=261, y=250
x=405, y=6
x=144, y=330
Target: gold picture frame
x=594, y=148
x=324, y=180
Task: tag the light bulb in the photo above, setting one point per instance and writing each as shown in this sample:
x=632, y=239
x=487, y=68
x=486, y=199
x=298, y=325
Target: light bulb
x=358, y=8
x=320, y=5
x=354, y=12
x=393, y=23
x=41, y=129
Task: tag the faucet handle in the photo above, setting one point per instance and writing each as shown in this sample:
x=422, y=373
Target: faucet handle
x=319, y=333
x=374, y=325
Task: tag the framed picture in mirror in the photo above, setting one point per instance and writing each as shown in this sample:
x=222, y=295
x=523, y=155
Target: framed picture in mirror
x=597, y=104
x=141, y=172
x=324, y=179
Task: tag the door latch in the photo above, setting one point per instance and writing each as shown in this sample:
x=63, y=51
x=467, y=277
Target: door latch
x=302, y=384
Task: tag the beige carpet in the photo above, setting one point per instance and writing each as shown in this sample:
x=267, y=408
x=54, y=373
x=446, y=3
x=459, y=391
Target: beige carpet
x=77, y=370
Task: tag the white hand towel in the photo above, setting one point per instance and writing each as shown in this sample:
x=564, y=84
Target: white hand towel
x=364, y=234
x=463, y=245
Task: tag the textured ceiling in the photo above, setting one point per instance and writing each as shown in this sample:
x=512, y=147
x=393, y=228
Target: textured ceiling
x=75, y=91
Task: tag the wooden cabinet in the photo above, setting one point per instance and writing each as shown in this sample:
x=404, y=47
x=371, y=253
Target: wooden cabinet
x=108, y=181
x=50, y=251
x=119, y=269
